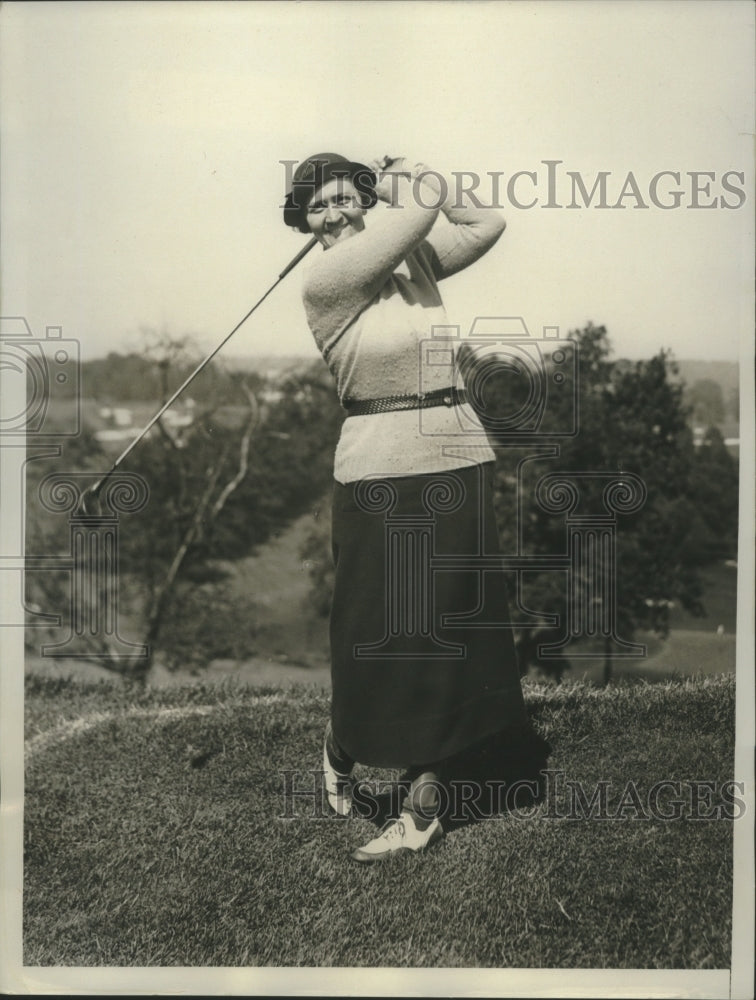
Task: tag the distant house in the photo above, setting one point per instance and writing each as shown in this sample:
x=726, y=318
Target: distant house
x=121, y=420
x=271, y=395
x=174, y=420
x=122, y=417
x=699, y=433
x=111, y=434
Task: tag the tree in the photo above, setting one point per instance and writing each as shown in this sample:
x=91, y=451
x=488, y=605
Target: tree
x=316, y=555
x=164, y=557
x=632, y=419
x=733, y=408
x=48, y=590
x=236, y=476
x=217, y=488
x=713, y=530
x=706, y=401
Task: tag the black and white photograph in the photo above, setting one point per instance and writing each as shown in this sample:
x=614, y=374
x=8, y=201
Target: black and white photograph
x=377, y=490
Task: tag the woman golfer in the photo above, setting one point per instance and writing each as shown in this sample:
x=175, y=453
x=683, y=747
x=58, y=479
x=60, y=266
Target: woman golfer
x=415, y=680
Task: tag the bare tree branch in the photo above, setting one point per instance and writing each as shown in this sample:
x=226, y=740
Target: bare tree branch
x=190, y=536
x=204, y=513
x=167, y=436
x=228, y=489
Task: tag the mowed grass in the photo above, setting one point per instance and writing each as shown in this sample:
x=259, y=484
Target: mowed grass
x=683, y=653
x=154, y=837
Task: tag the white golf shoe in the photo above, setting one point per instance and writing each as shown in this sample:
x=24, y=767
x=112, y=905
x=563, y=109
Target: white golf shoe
x=398, y=836
x=338, y=786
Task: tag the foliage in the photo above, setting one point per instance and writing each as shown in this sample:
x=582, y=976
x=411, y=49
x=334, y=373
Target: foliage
x=632, y=419
x=193, y=512
x=733, y=401
x=246, y=465
x=289, y=457
x=46, y=535
x=713, y=530
x=154, y=373
x=317, y=554
x=706, y=402
x=221, y=486
x=203, y=623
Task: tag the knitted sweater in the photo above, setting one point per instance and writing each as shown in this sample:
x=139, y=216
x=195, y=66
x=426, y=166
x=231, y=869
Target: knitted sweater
x=371, y=303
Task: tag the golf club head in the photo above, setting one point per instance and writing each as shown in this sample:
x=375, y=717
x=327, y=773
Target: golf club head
x=89, y=503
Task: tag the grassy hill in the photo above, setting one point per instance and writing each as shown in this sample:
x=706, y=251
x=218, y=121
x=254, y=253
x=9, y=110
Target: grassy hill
x=158, y=833
x=292, y=639
x=720, y=600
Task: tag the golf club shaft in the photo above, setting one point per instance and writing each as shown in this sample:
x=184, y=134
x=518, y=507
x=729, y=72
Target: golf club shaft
x=94, y=490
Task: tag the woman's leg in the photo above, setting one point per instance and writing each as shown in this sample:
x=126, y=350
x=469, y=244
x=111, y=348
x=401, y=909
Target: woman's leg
x=337, y=768
x=338, y=757
x=423, y=800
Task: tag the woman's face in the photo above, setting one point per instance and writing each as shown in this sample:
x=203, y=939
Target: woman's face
x=335, y=212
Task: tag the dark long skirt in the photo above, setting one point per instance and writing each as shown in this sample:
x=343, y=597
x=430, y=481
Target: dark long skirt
x=423, y=663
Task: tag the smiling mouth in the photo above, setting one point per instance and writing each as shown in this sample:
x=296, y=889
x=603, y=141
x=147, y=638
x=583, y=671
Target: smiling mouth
x=337, y=235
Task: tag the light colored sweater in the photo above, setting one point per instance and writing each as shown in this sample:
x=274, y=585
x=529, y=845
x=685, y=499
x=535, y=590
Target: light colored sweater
x=371, y=303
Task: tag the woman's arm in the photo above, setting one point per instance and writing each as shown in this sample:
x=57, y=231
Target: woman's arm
x=472, y=230
x=349, y=274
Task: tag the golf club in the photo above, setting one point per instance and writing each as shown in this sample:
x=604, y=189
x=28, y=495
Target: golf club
x=92, y=492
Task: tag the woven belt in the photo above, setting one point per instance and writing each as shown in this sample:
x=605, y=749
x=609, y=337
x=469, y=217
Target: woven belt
x=439, y=397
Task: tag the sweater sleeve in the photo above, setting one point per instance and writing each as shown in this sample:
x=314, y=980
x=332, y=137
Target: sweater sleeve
x=348, y=275
x=469, y=233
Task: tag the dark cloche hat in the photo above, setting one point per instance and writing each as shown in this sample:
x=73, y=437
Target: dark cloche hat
x=313, y=173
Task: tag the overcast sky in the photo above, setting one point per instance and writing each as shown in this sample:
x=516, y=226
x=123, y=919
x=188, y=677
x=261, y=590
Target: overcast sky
x=141, y=147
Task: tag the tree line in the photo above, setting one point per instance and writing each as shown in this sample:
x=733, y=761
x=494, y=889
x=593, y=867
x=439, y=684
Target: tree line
x=249, y=464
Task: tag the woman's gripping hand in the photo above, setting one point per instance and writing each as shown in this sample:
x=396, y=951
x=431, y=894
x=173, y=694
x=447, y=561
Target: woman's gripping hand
x=391, y=171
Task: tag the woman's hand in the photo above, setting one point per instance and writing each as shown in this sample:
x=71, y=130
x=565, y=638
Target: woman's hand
x=388, y=169
x=389, y=164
